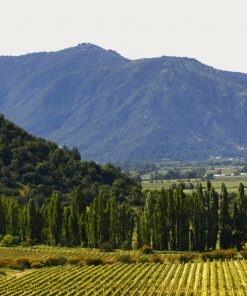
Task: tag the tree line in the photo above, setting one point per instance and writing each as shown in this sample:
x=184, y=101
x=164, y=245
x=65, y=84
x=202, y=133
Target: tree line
x=169, y=220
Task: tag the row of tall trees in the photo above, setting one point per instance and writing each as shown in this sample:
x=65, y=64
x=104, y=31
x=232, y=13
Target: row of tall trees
x=203, y=220
x=59, y=222
x=170, y=220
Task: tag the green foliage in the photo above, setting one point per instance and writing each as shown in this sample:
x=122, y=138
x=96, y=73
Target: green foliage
x=54, y=261
x=156, y=259
x=31, y=167
x=146, y=249
x=219, y=254
x=94, y=261
x=10, y=240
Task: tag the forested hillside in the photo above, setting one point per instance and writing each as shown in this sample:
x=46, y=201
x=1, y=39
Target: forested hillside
x=115, y=109
x=34, y=167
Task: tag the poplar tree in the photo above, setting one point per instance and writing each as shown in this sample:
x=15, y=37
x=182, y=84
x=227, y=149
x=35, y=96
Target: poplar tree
x=23, y=223
x=126, y=225
x=65, y=227
x=225, y=230
x=182, y=215
x=147, y=222
x=161, y=226
x=98, y=221
x=31, y=220
x=12, y=222
x=213, y=226
x=114, y=222
x=172, y=219
x=240, y=218
x=55, y=213
x=198, y=220
x=77, y=208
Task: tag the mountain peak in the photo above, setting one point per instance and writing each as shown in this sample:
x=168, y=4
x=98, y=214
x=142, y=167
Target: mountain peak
x=92, y=48
x=117, y=109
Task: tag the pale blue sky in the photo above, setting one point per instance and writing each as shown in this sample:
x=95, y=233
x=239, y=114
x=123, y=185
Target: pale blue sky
x=213, y=31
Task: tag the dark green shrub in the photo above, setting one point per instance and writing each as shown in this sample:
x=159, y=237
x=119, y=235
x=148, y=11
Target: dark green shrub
x=94, y=261
x=146, y=249
x=156, y=259
x=55, y=261
x=24, y=262
x=219, y=254
x=25, y=244
x=10, y=240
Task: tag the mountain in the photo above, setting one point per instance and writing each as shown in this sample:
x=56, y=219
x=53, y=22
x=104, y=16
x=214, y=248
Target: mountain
x=116, y=109
x=34, y=167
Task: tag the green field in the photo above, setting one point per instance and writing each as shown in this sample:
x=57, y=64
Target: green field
x=226, y=277
x=231, y=182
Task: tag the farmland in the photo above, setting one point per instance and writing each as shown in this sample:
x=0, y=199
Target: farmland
x=217, y=277
x=231, y=183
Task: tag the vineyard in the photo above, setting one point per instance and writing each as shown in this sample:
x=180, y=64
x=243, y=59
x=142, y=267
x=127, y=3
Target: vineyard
x=217, y=277
x=202, y=278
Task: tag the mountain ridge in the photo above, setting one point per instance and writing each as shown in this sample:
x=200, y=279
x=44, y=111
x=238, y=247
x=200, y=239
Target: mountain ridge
x=116, y=109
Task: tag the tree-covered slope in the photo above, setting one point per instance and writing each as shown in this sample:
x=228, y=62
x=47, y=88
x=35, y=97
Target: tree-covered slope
x=34, y=167
x=114, y=109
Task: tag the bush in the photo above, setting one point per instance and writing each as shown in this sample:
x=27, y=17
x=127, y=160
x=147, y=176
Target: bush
x=219, y=254
x=243, y=254
x=94, y=261
x=55, y=261
x=25, y=244
x=127, y=259
x=186, y=257
x=28, y=243
x=10, y=240
x=24, y=262
x=146, y=249
x=156, y=259
x=106, y=247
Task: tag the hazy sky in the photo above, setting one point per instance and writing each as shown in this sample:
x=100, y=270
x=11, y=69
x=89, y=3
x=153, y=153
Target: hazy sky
x=213, y=31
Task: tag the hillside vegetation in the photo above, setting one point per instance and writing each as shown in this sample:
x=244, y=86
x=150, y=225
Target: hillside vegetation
x=32, y=167
x=116, y=109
